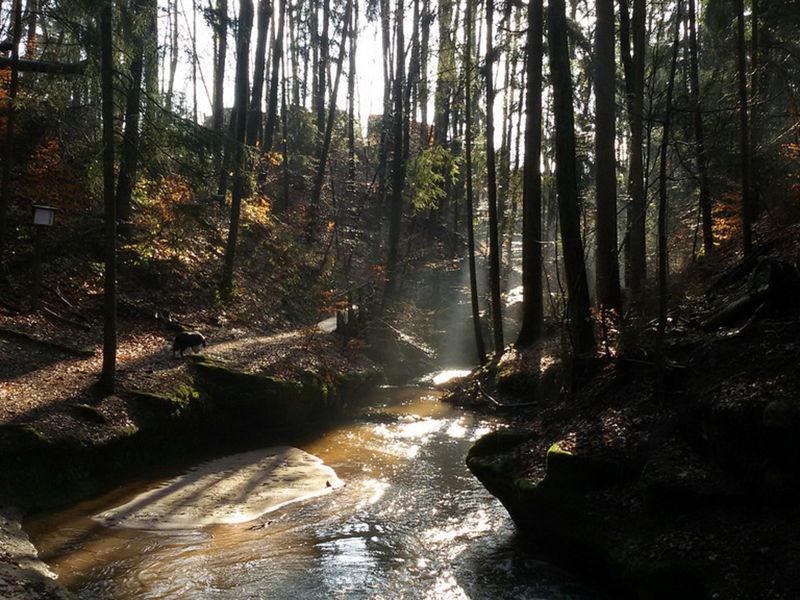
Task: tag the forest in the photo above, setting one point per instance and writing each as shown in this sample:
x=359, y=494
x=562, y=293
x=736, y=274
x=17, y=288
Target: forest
x=572, y=227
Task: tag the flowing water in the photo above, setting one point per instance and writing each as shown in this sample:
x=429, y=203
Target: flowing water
x=409, y=522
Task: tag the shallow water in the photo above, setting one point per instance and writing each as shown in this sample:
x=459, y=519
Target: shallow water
x=410, y=522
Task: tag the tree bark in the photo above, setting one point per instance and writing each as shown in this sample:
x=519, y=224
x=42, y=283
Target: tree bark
x=259, y=67
x=326, y=142
x=383, y=151
x=445, y=69
x=699, y=136
x=473, y=276
x=532, y=304
x=351, y=105
x=634, y=63
x=129, y=157
x=173, y=58
x=8, y=146
x=108, y=373
x=218, y=108
x=578, y=313
x=398, y=166
x=663, y=264
x=748, y=211
x=607, y=265
x=426, y=19
x=272, y=102
x=491, y=184
x=240, y=107
x=322, y=75
x=755, y=74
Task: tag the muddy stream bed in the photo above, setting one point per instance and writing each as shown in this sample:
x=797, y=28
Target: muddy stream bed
x=402, y=517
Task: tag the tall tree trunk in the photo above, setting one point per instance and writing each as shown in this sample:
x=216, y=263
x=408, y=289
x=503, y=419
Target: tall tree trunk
x=294, y=11
x=331, y=120
x=218, y=108
x=754, y=100
x=129, y=157
x=194, y=61
x=748, y=211
x=578, y=310
x=473, y=276
x=285, y=139
x=322, y=74
x=240, y=107
x=108, y=373
x=699, y=136
x=607, y=265
x=445, y=69
x=413, y=79
x=173, y=58
x=634, y=63
x=383, y=151
x=8, y=145
x=491, y=184
x=532, y=304
x=504, y=169
x=426, y=19
x=351, y=106
x=151, y=59
x=272, y=102
x=663, y=264
x=259, y=66
x=398, y=166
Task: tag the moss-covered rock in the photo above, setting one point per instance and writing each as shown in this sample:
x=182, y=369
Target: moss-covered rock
x=263, y=400
x=558, y=514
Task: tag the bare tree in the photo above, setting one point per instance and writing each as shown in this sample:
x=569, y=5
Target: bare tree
x=108, y=373
x=608, y=292
x=398, y=164
x=748, y=208
x=272, y=101
x=259, y=67
x=699, y=136
x=491, y=185
x=240, y=108
x=473, y=277
x=633, y=61
x=580, y=325
x=532, y=305
x=8, y=145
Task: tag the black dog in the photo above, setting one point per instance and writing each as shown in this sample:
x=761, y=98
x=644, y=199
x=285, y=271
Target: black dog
x=188, y=339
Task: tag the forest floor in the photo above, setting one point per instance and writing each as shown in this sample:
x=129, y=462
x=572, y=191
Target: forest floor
x=47, y=370
x=705, y=455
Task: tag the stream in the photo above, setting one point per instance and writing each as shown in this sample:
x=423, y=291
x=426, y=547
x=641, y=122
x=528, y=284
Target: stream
x=410, y=521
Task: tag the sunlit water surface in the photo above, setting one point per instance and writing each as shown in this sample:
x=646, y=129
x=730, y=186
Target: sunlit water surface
x=410, y=522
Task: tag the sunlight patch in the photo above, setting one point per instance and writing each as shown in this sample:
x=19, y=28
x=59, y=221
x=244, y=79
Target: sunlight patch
x=449, y=375
x=232, y=489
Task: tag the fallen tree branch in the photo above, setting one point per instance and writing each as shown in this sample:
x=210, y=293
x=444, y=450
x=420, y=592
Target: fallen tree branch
x=51, y=313
x=21, y=335
x=499, y=404
x=42, y=66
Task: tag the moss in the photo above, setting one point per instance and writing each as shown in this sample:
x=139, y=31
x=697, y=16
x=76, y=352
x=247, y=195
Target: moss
x=556, y=513
x=264, y=401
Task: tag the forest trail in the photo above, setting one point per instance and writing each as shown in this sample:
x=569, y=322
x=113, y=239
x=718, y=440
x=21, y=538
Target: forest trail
x=44, y=386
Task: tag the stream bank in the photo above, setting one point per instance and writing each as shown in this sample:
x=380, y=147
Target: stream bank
x=673, y=484
x=204, y=405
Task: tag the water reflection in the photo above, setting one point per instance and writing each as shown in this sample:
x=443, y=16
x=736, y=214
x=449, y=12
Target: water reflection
x=410, y=522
